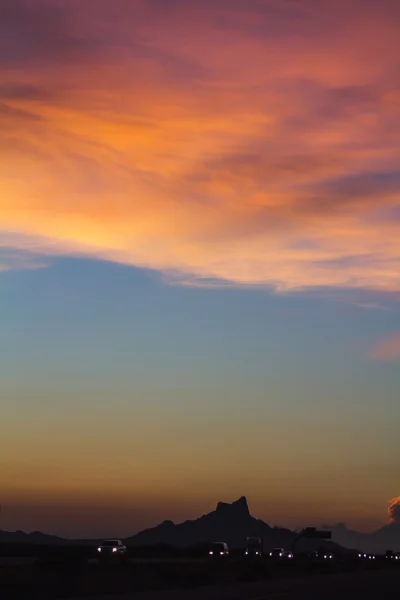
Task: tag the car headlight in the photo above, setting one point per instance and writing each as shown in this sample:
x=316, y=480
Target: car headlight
x=98, y=549
x=280, y=553
x=221, y=553
x=114, y=549
x=211, y=552
x=246, y=552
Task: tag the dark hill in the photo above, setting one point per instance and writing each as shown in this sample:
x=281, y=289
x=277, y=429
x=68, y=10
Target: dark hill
x=388, y=537
x=34, y=538
x=231, y=523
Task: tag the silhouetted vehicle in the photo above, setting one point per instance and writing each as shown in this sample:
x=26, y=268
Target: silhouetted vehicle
x=277, y=553
x=254, y=547
x=313, y=555
x=327, y=556
x=218, y=550
x=288, y=555
x=365, y=556
x=393, y=556
x=112, y=550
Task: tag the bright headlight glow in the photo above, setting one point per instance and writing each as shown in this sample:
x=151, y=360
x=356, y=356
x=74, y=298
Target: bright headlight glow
x=98, y=549
x=114, y=549
x=221, y=553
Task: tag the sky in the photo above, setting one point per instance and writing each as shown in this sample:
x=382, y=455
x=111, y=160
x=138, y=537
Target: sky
x=199, y=261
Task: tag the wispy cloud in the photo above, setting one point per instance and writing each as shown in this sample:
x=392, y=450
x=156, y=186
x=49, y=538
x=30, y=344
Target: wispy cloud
x=266, y=156
x=387, y=348
x=11, y=260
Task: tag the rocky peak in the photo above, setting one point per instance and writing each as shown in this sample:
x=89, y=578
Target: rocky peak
x=236, y=509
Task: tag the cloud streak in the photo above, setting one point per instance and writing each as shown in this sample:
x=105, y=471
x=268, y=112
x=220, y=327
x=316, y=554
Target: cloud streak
x=249, y=143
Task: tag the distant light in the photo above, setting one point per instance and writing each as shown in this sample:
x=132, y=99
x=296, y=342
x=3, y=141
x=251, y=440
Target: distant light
x=270, y=553
x=280, y=553
x=114, y=549
x=365, y=556
x=246, y=552
x=221, y=553
x=211, y=552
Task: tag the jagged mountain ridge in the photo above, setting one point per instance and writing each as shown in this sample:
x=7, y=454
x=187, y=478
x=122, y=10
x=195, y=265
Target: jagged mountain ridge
x=231, y=523
x=388, y=537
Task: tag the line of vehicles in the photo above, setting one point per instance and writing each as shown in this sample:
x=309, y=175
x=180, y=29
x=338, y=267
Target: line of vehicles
x=116, y=550
x=390, y=555
x=254, y=549
x=364, y=556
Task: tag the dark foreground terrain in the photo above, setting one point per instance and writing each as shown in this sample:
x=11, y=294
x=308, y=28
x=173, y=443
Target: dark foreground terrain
x=74, y=575
x=378, y=585
x=343, y=586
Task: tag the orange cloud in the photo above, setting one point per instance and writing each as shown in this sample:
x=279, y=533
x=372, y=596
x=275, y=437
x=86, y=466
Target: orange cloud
x=387, y=348
x=249, y=143
x=394, y=510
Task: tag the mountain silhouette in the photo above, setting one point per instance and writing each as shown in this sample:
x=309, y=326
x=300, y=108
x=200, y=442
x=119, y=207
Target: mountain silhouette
x=388, y=537
x=35, y=538
x=231, y=523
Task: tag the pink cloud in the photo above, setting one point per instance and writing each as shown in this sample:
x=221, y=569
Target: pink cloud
x=387, y=348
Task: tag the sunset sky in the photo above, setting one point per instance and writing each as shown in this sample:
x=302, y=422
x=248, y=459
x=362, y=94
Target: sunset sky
x=199, y=261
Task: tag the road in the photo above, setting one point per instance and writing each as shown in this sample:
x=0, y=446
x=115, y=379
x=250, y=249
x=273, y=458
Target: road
x=366, y=585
